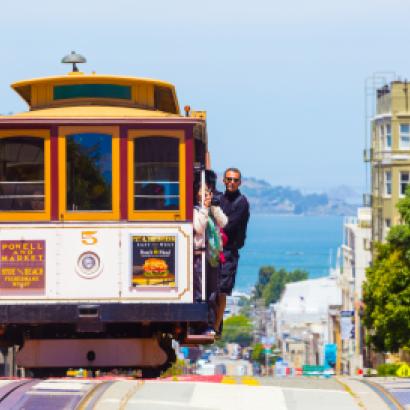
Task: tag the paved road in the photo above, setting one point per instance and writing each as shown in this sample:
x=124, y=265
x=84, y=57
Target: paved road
x=189, y=392
x=301, y=382
x=235, y=394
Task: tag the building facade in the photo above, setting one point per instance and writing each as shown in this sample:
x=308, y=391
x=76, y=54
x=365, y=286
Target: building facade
x=389, y=155
x=303, y=322
x=356, y=257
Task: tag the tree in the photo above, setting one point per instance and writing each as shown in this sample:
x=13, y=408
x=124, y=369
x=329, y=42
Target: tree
x=271, y=289
x=297, y=275
x=237, y=329
x=386, y=292
x=265, y=273
x=259, y=354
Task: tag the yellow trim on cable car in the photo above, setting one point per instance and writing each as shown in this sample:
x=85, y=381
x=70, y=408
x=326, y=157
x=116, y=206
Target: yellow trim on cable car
x=65, y=214
x=32, y=216
x=92, y=111
x=174, y=215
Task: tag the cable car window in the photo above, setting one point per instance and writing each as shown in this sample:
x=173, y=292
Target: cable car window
x=156, y=173
x=21, y=174
x=89, y=172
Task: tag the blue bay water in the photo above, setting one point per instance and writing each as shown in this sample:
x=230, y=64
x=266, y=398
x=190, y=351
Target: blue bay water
x=289, y=242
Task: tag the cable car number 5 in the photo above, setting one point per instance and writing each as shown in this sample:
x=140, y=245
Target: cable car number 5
x=89, y=237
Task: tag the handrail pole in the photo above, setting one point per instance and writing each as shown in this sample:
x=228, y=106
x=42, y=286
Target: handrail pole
x=203, y=264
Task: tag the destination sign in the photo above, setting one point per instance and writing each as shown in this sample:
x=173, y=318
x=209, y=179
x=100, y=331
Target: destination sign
x=22, y=265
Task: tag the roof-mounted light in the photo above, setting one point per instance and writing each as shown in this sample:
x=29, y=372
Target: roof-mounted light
x=74, y=59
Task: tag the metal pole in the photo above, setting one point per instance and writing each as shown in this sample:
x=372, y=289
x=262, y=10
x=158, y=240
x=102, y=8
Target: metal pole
x=339, y=348
x=267, y=362
x=203, y=273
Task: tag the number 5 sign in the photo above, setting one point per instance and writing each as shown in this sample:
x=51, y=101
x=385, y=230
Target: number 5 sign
x=89, y=237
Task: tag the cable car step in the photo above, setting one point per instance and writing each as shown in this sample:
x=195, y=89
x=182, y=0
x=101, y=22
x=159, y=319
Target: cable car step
x=198, y=339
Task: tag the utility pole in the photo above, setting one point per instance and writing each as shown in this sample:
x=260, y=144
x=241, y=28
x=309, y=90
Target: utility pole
x=339, y=346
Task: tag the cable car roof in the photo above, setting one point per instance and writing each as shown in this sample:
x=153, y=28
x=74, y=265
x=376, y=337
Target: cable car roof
x=77, y=89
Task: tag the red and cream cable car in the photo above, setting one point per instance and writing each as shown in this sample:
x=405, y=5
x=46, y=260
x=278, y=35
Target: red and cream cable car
x=96, y=182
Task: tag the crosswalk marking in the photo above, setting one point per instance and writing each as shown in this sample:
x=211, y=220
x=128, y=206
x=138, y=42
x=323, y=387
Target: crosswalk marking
x=248, y=380
x=228, y=380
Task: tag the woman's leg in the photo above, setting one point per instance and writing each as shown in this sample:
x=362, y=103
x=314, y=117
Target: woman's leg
x=197, y=278
x=212, y=294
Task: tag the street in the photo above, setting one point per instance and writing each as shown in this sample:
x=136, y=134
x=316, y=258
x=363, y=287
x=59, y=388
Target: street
x=213, y=392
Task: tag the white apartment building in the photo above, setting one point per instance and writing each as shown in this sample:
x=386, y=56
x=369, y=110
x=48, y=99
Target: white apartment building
x=356, y=257
x=303, y=322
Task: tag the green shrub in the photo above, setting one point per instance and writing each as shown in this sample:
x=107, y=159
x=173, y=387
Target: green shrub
x=387, y=369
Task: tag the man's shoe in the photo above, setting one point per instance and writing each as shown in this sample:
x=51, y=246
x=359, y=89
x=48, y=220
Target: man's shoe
x=210, y=332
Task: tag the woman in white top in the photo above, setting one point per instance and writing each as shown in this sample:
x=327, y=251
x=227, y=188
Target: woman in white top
x=202, y=214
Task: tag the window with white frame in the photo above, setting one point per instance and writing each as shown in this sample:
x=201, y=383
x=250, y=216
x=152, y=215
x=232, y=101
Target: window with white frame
x=387, y=183
x=387, y=136
x=404, y=181
x=404, y=136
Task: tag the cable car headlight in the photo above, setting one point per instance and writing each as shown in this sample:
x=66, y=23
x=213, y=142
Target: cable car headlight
x=89, y=265
x=88, y=262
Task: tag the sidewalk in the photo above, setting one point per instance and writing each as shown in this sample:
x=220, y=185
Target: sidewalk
x=396, y=388
x=366, y=397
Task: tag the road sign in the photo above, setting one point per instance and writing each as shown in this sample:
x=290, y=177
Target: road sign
x=346, y=313
x=347, y=324
x=312, y=370
x=403, y=370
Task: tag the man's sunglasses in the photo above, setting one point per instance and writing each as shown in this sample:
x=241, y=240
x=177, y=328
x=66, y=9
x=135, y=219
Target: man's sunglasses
x=230, y=179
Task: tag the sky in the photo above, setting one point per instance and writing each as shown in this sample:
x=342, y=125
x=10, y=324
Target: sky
x=283, y=83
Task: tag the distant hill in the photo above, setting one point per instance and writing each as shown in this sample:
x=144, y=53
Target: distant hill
x=265, y=198
x=346, y=193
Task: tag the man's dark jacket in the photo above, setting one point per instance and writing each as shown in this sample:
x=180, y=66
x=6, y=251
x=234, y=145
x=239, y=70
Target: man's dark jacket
x=236, y=208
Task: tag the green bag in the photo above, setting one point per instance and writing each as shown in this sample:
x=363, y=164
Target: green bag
x=214, y=247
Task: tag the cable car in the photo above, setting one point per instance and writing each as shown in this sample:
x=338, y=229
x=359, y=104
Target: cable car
x=96, y=191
